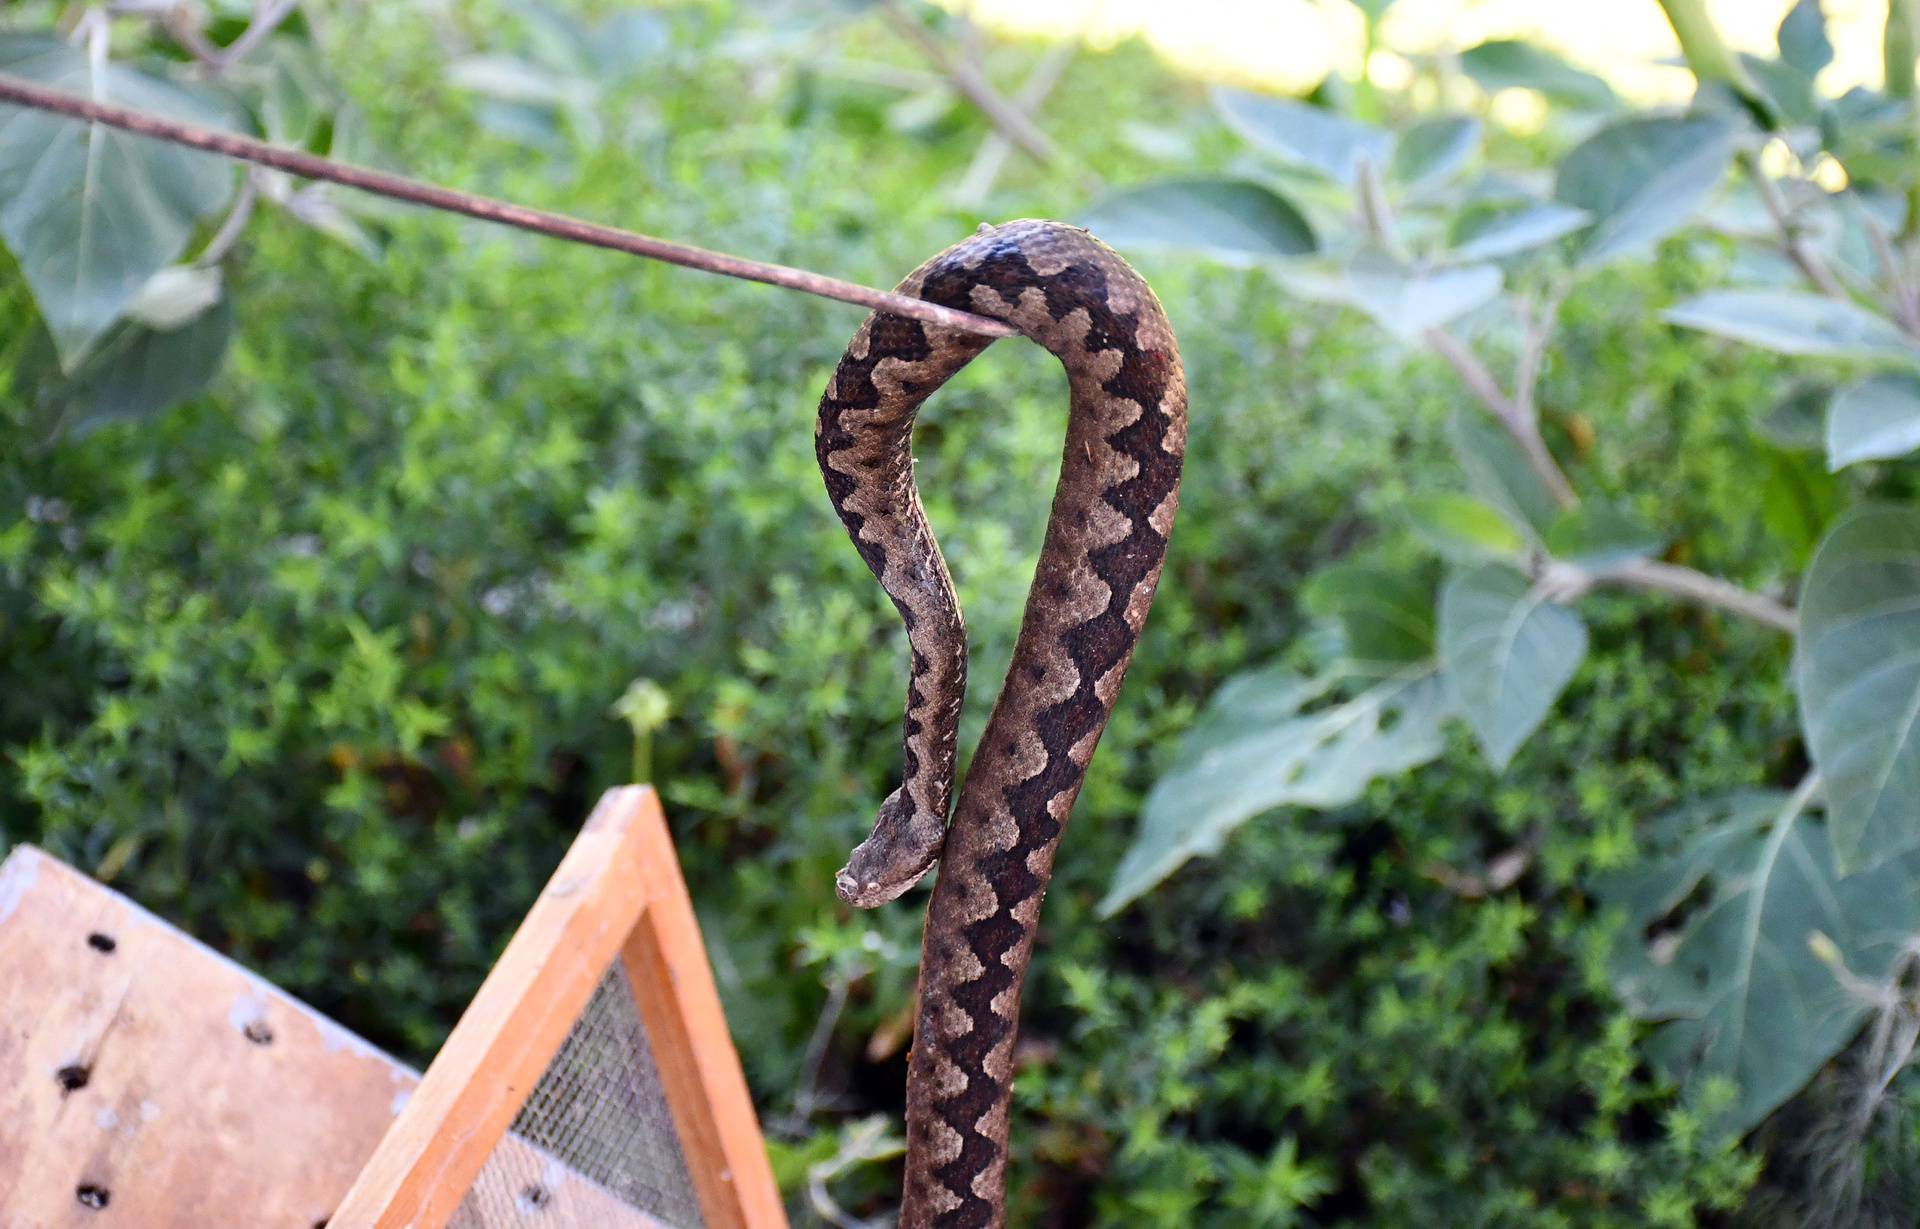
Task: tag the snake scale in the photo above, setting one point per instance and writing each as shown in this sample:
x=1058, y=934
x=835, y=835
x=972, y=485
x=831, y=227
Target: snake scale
x=1106, y=539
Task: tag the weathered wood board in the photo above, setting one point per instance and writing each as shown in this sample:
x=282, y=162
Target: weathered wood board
x=148, y=1082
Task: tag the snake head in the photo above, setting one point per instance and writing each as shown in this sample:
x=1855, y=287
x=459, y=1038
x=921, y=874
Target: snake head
x=903, y=847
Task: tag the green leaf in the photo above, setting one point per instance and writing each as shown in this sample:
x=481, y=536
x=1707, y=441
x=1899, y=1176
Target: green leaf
x=1385, y=612
x=1497, y=470
x=1435, y=148
x=1803, y=38
x=138, y=370
x=1507, y=653
x=1792, y=322
x=1598, y=535
x=1490, y=231
x=1875, y=419
x=1227, y=218
x=1403, y=299
x=91, y=213
x=1798, y=500
x=1797, y=422
x=174, y=296
x=1857, y=668
x=1508, y=63
x=1303, y=135
x=1258, y=746
x=1463, y=529
x=1718, y=946
x=1640, y=178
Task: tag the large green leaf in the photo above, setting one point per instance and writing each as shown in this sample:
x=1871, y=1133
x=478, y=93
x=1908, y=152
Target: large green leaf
x=1463, y=529
x=1803, y=38
x=1227, y=218
x=1499, y=473
x=1641, y=178
x=1434, y=148
x=1496, y=229
x=1404, y=299
x=139, y=370
x=1507, y=654
x=89, y=212
x=1385, y=613
x=1857, y=666
x=1304, y=135
x=1260, y=745
x=1598, y=535
x=1875, y=419
x=1793, y=322
x=1508, y=63
x=1718, y=946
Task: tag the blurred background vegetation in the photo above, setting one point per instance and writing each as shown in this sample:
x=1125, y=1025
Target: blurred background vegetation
x=347, y=552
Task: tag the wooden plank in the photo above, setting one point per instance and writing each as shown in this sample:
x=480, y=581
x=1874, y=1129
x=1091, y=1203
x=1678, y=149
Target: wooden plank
x=147, y=1082
x=513, y=1027
x=672, y=981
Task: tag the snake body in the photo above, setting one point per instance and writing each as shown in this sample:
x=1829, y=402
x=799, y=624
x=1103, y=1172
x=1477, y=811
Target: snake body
x=1105, y=542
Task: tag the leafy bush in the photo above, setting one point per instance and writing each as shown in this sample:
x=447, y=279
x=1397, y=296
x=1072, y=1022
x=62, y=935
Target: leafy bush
x=327, y=662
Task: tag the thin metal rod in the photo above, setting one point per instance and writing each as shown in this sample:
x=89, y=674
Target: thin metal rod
x=396, y=187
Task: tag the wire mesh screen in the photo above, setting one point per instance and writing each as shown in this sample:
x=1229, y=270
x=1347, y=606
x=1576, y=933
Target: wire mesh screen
x=594, y=1145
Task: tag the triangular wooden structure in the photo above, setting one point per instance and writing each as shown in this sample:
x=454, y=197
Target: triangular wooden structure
x=615, y=918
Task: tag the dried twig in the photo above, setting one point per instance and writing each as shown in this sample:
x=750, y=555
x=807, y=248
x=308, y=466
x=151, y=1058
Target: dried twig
x=976, y=89
x=397, y=187
x=994, y=147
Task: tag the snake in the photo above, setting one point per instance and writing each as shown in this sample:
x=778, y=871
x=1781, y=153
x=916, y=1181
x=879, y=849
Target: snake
x=1099, y=563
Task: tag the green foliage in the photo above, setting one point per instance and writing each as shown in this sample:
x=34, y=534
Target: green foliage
x=327, y=663
x=1768, y=982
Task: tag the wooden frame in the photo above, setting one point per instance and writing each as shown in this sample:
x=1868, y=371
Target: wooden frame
x=617, y=895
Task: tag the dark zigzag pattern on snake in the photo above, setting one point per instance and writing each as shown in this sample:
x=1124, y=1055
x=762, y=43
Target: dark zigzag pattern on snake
x=1153, y=443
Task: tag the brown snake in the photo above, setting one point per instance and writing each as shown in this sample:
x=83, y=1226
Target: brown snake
x=1106, y=539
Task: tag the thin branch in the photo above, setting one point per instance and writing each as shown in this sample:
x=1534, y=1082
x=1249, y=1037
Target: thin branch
x=233, y=226
x=1683, y=582
x=396, y=187
x=1519, y=424
x=994, y=147
x=976, y=89
x=1900, y=288
x=1536, y=333
x=1700, y=589
x=267, y=15
x=1792, y=241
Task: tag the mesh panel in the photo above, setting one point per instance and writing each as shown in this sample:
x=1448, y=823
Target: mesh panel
x=594, y=1145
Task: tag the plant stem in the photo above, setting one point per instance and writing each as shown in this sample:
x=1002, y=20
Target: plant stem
x=994, y=148
x=1899, y=48
x=1647, y=574
x=573, y=230
x=975, y=88
x=1700, y=589
x=1707, y=54
x=1522, y=426
x=1792, y=241
x=233, y=225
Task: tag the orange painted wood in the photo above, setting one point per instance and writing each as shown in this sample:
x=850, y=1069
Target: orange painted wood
x=195, y=1095
x=512, y=1029
x=673, y=989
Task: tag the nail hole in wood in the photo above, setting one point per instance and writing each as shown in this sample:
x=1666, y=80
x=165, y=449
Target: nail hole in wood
x=73, y=1077
x=91, y=1196
x=258, y=1032
x=103, y=943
